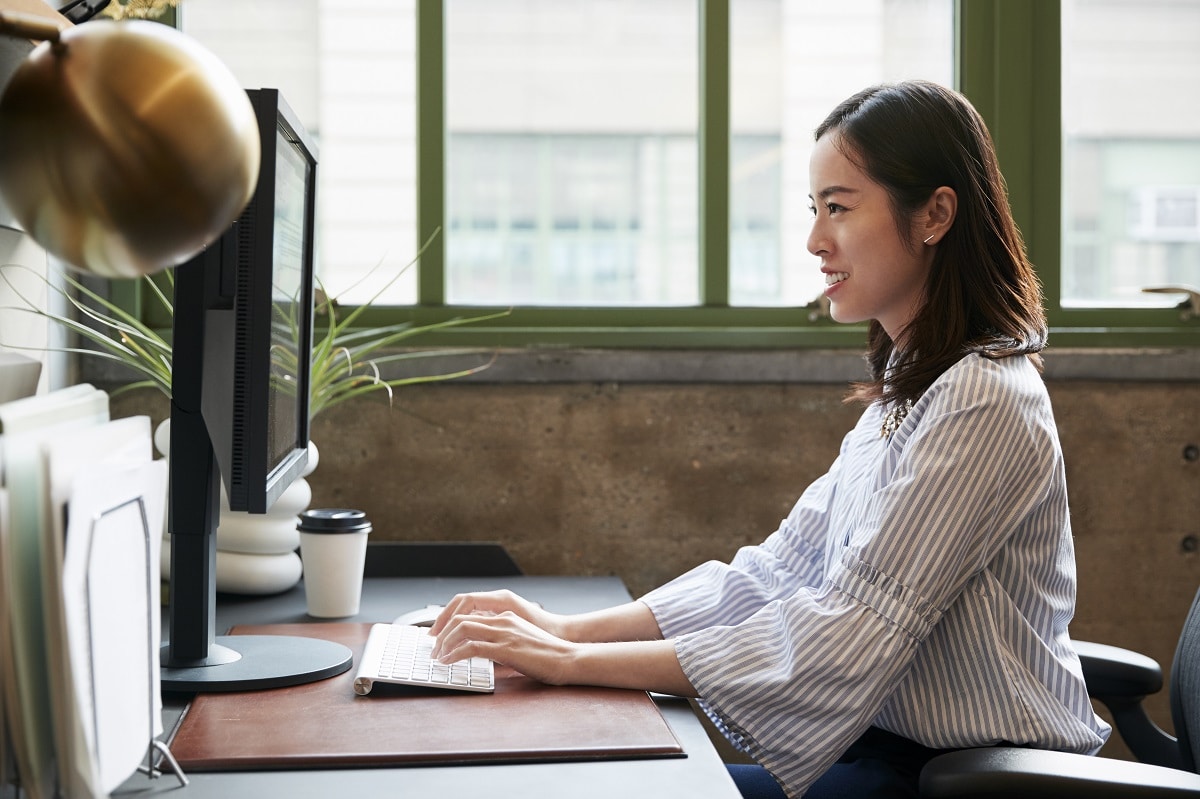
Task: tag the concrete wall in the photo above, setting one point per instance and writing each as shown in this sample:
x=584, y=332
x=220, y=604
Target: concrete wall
x=646, y=479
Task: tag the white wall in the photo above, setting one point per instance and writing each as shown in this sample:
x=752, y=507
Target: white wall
x=17, y=328
x=26, y=270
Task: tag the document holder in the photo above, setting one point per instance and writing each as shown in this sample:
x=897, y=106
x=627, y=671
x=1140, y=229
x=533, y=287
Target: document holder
x=151, y=767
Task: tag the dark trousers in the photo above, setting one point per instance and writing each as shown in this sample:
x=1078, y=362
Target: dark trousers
x=879, y=765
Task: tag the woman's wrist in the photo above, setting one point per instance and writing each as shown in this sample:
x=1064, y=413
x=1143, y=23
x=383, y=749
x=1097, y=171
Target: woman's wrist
x=629, y=622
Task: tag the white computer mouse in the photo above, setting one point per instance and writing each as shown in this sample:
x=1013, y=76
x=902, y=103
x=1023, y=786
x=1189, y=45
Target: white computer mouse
x=421, y=617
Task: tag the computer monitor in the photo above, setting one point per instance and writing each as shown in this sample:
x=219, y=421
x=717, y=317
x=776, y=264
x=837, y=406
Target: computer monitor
x=241, y=354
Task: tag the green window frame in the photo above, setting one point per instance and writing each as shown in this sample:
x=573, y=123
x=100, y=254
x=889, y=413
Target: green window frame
x=1010, y=66
x=1008, y=55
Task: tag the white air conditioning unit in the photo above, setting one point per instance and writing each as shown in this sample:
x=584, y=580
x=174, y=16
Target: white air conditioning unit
x=1165, y=213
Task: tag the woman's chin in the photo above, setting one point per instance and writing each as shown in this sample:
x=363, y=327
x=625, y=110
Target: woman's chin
x=844, y=315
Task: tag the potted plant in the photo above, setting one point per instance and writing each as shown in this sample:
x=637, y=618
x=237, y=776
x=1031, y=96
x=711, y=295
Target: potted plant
x=346, y=363
x=346, y=360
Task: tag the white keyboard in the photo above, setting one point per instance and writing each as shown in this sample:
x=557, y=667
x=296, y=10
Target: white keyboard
x=400, y=654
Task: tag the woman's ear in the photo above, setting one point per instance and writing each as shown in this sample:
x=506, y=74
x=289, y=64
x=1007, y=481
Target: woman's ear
x=940, y=209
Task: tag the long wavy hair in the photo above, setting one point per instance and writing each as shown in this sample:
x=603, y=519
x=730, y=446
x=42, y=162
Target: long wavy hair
x=982, y=295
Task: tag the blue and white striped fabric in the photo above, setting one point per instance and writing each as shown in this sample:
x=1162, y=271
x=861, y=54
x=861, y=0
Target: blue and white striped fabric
x=923, y=586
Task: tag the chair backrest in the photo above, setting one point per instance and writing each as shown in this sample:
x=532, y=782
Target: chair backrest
x=1185, y=688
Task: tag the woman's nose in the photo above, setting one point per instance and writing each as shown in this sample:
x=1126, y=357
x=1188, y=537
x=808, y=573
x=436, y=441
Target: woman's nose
x=818, y=243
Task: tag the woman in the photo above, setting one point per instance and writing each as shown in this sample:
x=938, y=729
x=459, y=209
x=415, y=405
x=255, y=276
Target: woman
x=917, y=596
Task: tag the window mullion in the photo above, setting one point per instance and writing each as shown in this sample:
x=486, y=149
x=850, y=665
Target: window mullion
x=431, y=151
x=1009, y=66
x=1046, y=156
x=713, y=152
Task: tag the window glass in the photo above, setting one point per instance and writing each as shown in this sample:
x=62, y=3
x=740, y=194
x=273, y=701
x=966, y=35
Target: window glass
x=792, y=61
x=1131, y=158
x=348, y=70
x=571, y=152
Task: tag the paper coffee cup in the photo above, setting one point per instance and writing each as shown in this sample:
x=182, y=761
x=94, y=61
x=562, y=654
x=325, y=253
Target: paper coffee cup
x=333, y=549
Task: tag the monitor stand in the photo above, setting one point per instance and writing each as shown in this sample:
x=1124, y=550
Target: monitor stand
x=194, y=659
x=252, y=662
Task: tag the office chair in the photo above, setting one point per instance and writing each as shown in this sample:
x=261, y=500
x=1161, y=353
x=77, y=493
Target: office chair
x=1120, y=679
x=439, y=559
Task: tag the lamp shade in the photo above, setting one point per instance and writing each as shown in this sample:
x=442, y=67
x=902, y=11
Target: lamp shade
x=125, y=147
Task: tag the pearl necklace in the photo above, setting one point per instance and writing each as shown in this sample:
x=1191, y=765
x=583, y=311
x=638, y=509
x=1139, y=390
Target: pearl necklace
x=894, y=418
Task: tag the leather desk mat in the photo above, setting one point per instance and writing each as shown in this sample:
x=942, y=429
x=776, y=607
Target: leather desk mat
x=326, y=725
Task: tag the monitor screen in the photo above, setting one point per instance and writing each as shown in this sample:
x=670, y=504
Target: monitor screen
x=257, y=389
x=291, y=233
x=240, y=408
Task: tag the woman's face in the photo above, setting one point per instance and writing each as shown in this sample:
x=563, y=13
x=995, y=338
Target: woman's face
x=870, y=271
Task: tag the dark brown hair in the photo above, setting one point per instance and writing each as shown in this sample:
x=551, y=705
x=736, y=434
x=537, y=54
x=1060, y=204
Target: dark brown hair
x=982, y=293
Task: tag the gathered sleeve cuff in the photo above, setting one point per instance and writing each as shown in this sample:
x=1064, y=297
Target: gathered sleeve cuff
x=800, y=680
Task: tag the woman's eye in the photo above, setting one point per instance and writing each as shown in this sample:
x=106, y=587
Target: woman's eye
x=830, y=208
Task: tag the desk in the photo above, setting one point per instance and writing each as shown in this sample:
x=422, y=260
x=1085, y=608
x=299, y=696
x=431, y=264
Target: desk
x=700, y=774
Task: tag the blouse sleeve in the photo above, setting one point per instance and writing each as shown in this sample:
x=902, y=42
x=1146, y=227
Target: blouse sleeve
x=804, y=666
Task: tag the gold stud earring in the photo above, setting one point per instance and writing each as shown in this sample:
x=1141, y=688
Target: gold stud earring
x=929, y=239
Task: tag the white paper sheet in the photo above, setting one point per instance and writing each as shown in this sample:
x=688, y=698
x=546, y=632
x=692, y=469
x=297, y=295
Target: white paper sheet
x=120, y=442
x=6, y=764
x=110, y=603
x=26, y=265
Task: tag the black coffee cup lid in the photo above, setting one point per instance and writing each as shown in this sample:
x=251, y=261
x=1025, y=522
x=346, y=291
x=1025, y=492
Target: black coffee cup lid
x=333, y=520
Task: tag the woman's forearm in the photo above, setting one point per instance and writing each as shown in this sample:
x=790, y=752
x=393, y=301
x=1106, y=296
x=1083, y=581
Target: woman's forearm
x=620, y=647
x=632, y=621
x=623, y=647
x=642, y=665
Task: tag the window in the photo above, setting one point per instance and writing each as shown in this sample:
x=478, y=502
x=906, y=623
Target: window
x=1131, y=178
x=572, y=136
x=791, y=62
x=571, y=152
x=573, y=144
x=348, y=69
x=632, y=173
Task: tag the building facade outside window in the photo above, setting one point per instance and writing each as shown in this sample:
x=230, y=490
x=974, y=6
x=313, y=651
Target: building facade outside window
x=1131, y=159
x=571, y=153
x=573, y=174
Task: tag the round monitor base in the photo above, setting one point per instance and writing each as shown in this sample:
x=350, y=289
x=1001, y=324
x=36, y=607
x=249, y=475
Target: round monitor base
x=267, y=661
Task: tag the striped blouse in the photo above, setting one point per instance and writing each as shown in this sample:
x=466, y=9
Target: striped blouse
x=923, y=585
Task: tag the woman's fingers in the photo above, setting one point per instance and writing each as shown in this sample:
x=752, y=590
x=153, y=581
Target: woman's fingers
x=468, y=634
x=492, y=603
x=467, y=604
x=481, y=628
x=505, y=638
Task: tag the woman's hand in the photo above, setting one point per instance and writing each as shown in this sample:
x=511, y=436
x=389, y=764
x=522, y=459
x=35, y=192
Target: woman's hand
x=506, y=628
x=620, y=647
x=506, y=638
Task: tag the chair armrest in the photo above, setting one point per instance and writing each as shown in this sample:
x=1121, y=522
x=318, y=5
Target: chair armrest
x=1113, y=671
x=1120, y=679
x=1004, y=772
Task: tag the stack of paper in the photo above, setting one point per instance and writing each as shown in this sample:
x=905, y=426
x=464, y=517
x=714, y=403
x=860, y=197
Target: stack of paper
x=18, y=379
x=79, y=580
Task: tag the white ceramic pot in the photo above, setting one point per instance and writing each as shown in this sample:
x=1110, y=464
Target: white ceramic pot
x=256, y=552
